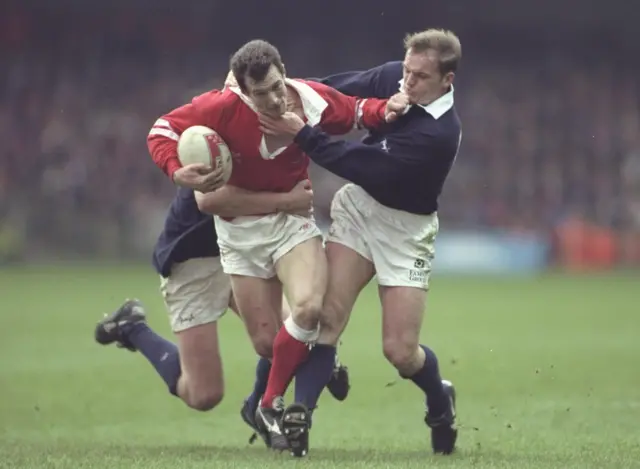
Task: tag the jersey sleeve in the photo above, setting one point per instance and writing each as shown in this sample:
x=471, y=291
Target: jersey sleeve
x=378, y=82
x=162, y=140
x=346, y=113
x=381, y=165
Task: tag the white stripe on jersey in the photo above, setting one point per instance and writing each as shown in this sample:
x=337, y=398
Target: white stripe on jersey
x=163, y=123
x=165, y=133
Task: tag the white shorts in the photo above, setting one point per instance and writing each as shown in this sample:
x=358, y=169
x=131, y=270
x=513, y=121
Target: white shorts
x=399, y=244
x=197, y=292
x=251, y=246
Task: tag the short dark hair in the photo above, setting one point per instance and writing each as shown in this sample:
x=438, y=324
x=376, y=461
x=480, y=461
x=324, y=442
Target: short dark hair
x=254, y=60
x=444, y=42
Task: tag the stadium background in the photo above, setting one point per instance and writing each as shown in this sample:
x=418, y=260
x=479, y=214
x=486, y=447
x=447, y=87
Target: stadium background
x=545, y=197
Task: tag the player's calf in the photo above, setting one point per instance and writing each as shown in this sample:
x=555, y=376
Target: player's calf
x=403, y=308
x=303, y=273
x=127, y=328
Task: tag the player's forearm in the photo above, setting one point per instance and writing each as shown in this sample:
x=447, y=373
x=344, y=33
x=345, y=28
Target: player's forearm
x=231, y=201
x=358, y=163
x=371, y=113
x=164, y=155
x=163, y=137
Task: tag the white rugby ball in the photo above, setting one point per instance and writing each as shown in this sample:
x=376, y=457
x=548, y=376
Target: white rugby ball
x=200, y=144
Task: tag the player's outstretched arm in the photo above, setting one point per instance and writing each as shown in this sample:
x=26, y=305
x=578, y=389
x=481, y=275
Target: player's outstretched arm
x=346, y=113
x=382, y=165
x=232, y=201
x=378, y=82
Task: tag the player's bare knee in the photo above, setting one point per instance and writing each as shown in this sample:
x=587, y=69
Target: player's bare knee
x=332, y=322
x=263, y=344
x=206, y=399
x=401, y=354
x=306, y=314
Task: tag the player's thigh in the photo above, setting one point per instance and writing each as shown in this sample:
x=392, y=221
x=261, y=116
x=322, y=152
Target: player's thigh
x=286, y=309
x=403, y=247
x=402, y=316
x=201, y=364
x=349, y=273
x=196, y=296
x=247, y=244
x=259, y=302
x=197, y=292
x=350, y=259
x=301, y=265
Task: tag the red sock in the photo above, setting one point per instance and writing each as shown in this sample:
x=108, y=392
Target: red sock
x=288, y=354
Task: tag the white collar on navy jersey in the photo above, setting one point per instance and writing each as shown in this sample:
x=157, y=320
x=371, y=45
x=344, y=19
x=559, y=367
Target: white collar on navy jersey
x=313, y=104
x=438, y=107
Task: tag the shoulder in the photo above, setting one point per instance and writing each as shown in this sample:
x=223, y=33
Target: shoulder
x=215, y=98
x=216, y=105
x=390, y=73
x=394, y=67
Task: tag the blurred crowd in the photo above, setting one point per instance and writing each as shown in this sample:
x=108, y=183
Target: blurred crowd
x=551, y=129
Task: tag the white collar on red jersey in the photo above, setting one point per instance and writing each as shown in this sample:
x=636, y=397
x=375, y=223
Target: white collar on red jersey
x=313, y=104
x=438, y=107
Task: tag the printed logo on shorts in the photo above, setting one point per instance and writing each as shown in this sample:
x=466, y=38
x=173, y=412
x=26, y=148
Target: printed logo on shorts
x=418, y=274
x=305, y=227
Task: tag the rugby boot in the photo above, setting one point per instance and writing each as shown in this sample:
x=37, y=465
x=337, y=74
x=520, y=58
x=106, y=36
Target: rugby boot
x=248, y=414
x=269, y=422
x=443, y=430
x=339, y=384
x=296, y=423
x=113, y=328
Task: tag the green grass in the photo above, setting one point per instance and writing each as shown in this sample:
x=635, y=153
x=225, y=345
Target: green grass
x=546, y=370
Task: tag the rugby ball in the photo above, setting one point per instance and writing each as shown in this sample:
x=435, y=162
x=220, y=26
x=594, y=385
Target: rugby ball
x=200, y=144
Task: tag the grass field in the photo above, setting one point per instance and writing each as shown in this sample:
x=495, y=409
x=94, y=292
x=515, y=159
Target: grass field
x=546, y=370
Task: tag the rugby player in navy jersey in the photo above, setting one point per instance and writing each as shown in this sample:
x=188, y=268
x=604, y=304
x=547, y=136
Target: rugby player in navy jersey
x=384, y=222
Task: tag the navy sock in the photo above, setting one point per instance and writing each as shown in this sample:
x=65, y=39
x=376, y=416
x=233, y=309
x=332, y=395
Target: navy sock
x=314, y=374
x=161, y=353
x=428, y=379
x=259, y=387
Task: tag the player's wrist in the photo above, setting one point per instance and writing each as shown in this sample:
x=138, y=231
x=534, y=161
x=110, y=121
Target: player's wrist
x=303, y=134
x=282, y=202
x=171, y=169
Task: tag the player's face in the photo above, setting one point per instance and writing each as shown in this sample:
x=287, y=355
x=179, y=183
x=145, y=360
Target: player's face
x=423, y=82
x=269, y=95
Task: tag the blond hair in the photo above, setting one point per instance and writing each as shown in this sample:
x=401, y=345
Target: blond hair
x=444, y=42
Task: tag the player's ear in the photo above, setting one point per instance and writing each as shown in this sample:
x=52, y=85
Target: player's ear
x=284, y=71
x=448, y=79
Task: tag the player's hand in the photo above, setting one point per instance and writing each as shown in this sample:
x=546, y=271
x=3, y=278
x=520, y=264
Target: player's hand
x=396, y=106
x=199, y=177
x=287, y=124
x=299, y=200
x=230, y=80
